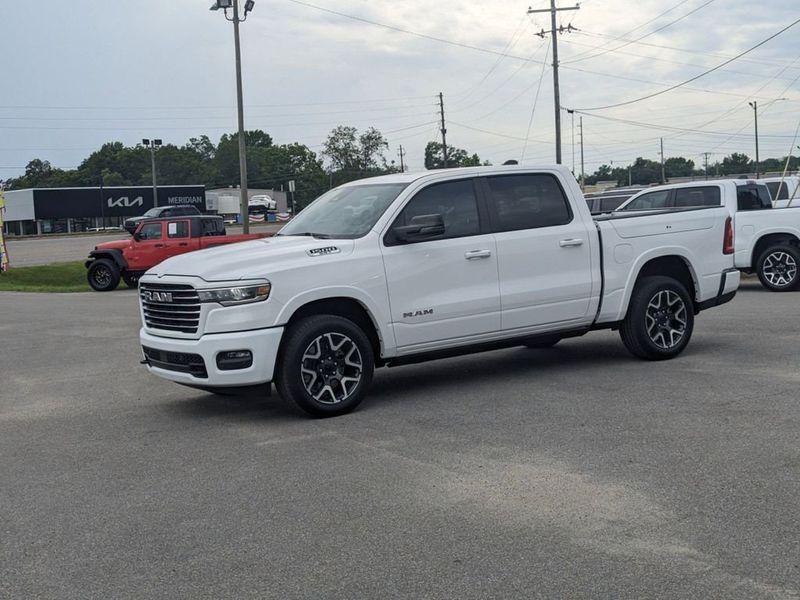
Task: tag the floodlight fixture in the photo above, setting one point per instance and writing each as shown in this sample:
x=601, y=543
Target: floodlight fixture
x=249, y=6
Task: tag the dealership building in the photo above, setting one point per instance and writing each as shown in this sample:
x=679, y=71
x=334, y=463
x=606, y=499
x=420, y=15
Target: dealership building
x=71, y=210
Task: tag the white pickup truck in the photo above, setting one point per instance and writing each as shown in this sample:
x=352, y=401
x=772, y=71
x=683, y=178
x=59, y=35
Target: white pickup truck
x=409, y=267
x=767, y=239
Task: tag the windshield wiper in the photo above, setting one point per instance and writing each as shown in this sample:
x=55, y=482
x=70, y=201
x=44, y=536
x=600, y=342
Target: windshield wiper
x=319, y=236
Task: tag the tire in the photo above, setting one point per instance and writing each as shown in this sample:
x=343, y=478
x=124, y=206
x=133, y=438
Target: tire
x=325, y=365
x=103, y=275
x=660, y=319
x=778, y=268
x=542, y=343
x=131, y=279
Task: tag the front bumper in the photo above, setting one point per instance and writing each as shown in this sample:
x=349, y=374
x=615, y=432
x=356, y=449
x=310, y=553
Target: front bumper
x=263, y=343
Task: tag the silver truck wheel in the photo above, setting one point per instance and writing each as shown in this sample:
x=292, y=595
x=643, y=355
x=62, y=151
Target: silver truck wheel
x=777, y=268
x=660, y=318
x=325, y=365
x=665, y=319
x=331, y=368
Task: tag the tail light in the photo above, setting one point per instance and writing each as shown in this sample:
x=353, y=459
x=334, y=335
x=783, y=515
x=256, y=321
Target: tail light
x=727, y=243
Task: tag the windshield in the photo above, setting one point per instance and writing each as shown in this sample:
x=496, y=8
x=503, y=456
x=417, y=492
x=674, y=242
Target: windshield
x=345, y=212
x=153, y=212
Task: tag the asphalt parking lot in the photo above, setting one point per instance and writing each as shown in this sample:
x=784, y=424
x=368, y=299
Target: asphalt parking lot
x=575, y=472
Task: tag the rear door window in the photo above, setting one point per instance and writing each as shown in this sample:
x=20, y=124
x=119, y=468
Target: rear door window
x=697, y=196
x=778, y=194
x=753, y=197
x=527, y=202
x=656, y=200
x=178, y=229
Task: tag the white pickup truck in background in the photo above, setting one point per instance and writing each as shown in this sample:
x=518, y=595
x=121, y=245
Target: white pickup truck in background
x=408, y=267
x=767, y=238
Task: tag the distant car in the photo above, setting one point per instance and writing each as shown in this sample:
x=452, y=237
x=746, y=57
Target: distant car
x=158, y=213
x=153, y=241
x=609, y=200
x=783, y=190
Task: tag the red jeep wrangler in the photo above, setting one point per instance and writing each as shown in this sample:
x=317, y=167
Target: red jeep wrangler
x=153, y=241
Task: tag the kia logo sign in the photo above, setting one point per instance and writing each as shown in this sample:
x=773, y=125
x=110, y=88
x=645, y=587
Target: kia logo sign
x=124, y=201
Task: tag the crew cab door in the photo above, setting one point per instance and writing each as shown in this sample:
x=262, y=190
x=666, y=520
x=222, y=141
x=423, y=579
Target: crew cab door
x=179, y=238
x=148, y=247
x=543, y=252
x=444, y=287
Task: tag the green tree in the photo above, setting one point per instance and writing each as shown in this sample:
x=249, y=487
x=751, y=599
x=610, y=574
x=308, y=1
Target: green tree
x=456, y=157
x=735, y=164
x=678, y=167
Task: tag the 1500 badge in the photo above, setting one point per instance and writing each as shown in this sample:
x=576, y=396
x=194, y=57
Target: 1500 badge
x=418, y=313
x=323, y=251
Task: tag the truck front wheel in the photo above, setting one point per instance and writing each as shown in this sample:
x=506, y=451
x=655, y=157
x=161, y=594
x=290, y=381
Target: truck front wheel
x=325, y=365
x=777, y=268
x=660, y=319
x=103, y=275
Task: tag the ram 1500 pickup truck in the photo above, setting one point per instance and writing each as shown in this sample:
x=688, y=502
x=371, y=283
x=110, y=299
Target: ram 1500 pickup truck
x=153, y=241
x=767, y=238
x=409, y=267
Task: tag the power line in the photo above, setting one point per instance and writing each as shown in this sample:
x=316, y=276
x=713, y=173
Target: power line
x=406, y=31
x=696, y=77
x=533, y=108
x=644, y=36
x=656, y=18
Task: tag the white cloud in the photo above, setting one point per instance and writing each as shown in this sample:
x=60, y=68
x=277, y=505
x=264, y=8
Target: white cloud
x=173, y=56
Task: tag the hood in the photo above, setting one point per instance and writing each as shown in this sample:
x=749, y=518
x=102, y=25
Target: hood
x=115, y=245
x=253, y=260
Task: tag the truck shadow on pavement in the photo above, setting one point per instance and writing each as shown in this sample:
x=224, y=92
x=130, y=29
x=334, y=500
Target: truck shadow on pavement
x=522, y=366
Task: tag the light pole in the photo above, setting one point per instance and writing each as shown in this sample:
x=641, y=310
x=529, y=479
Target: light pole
x=248, y=6
x=754, y=105
x=153, y=144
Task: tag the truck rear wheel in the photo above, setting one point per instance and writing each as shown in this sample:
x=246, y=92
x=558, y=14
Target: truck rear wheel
x=660, y=319
x=778, y=268
x=103, y=275
x=325, y=365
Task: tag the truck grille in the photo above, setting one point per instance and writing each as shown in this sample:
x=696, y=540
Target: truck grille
x=170, y=307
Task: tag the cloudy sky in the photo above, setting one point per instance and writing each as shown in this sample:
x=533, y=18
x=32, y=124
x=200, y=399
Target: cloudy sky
x=78, y=73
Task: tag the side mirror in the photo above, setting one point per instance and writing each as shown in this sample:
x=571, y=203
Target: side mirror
x=137, y=236
x=421, y=227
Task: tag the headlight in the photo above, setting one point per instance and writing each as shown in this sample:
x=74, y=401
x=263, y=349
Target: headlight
x=236, y=295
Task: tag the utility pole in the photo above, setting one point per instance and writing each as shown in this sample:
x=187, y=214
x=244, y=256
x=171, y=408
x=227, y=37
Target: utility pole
x=583, y=176
x=630, y=176
x=705, y=163
x=444, y=129
x=402, y=162
x=663, y=175
x=754, y=104
x=248, y=7
x=244, y=199
x=556, y=92
x=153, y=144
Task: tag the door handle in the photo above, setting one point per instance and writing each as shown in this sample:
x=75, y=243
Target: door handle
x=473, y=254
x=158, y=246
x=183, y=244
x=570, y=242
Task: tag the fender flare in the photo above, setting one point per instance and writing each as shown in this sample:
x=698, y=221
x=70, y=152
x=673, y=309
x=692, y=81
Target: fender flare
x=112, y=254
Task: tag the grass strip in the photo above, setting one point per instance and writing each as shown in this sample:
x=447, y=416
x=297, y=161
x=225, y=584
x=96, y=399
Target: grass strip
x=56, y=277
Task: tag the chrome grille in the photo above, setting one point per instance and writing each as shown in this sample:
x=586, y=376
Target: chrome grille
x=180, y=313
